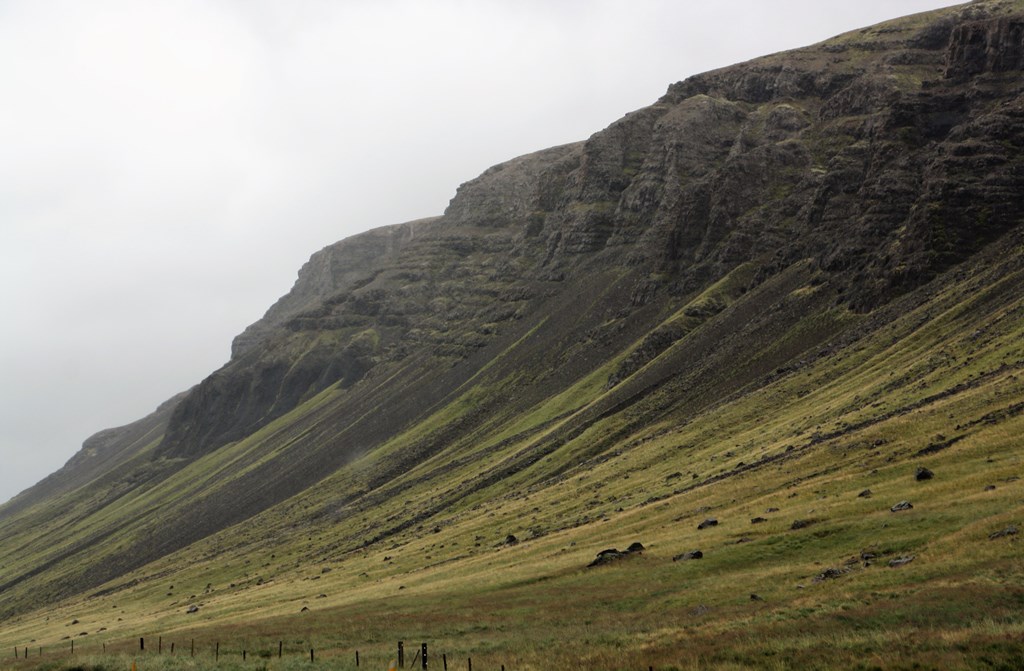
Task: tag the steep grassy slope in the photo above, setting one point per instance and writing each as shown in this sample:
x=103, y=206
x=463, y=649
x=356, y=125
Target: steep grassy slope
x=934, y=382
x=784, y=284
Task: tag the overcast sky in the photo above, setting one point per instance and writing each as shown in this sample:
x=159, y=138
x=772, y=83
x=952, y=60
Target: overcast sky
x=167, y=166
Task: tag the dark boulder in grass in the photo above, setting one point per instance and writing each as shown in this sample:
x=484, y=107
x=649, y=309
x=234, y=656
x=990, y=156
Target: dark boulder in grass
x=693, y=554
x=708, y=523
x=1008, y=531
x=800, y=524
x=901, y=561
x=612, y=554
x=192, y=609
x=922, y=474
x=901, y=506
x=606, y=557
x=829, y=574
x=758, y=520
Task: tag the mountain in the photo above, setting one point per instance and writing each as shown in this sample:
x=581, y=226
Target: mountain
x=784, y=284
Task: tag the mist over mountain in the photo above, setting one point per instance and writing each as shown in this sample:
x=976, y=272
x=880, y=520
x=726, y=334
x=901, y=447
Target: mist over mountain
x=783, y=284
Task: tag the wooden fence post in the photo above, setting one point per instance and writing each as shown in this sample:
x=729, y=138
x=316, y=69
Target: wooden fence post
x=401, y=655
x=216, y=652
x=172, y=647
x=357, y=658
x=160, y=645
x=142, y=644
x=311, y=654
x=193, y=652
x=470, y=661
x=424, y=656
x=72, y=646
x=444, y=660
x=280, y=649
x=243, y=655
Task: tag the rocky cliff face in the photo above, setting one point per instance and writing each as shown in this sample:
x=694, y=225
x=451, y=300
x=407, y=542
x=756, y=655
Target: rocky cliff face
x=885, y=156
x=668, y=255
x=343, y=265
x=986, y=46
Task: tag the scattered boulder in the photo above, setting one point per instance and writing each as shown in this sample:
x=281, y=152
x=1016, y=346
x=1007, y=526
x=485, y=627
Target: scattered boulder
x=192, y=609
x=305, y=609
x=321, y=596
x=901, y=561
x=612, y=554
x=1008, y=531
x=828, y=574
x=990, y=488
x=754, y=597
x=709, y=522
x=923, y=473
x=800, y=524
x=693, y=554
x=758, y=520
x=511, y=540
x=902, y=505
x=866, y=494
x=772, y=510
x=606, y=557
